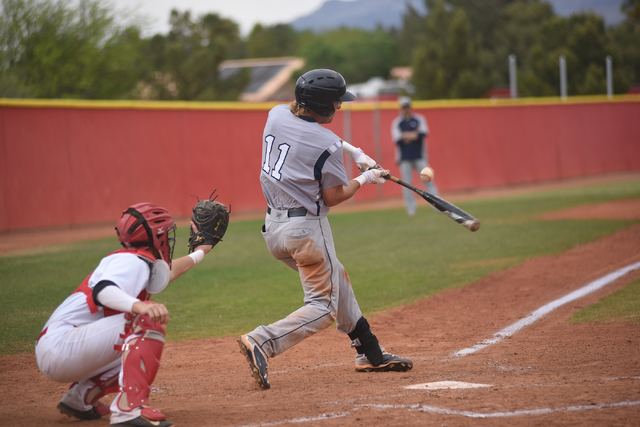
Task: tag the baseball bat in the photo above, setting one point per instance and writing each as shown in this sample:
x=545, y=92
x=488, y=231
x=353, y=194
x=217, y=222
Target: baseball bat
x=450, y=210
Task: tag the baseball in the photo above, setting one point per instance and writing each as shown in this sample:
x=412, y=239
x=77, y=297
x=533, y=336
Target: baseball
x=426, y=174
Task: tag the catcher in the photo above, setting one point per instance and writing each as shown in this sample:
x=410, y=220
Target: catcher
x=107, y=337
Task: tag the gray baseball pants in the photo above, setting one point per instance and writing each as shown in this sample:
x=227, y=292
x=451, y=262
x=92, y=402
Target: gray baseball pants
x=305, y=244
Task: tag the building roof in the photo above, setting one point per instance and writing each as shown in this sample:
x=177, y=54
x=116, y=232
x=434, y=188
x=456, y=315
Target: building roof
x=377, y=88
x=270, y=77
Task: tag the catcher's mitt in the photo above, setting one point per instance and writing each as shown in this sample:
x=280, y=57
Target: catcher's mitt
x=211, y=219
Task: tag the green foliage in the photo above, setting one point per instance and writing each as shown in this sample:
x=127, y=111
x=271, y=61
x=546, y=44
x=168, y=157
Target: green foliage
x=459, y=49
x=56, y=51
x=631, y=8
x=584, y=41
x=521, y=28
x=357, y=54
x=186, y=61
x=239, y=285
x=445, y=58
x=621, y=306
x=412, y=29
x=494, y=29
x=485, y=16
x=626, y=38
x=271, y=42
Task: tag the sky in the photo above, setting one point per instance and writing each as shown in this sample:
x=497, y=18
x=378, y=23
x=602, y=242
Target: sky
x=246, y=13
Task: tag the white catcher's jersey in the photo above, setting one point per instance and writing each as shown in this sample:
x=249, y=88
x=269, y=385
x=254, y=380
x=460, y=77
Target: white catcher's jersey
x=128, y=271
x=299, y=159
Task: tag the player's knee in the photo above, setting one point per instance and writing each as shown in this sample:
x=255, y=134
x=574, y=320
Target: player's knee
x=142, y=323
x=140, y=361
x=331, y=317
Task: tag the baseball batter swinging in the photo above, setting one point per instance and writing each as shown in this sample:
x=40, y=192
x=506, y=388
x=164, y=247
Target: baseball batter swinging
x=302, y=176
x=107, y=337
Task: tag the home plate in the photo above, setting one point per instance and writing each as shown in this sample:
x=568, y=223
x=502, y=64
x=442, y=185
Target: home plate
x=443, y=385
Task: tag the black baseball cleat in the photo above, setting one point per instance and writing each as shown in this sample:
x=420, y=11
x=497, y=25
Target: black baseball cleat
x=257, y=360
x=91, y=414
x=390, y=362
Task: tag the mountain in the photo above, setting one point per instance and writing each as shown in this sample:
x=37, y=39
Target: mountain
x=608, y=9
x=367, y=14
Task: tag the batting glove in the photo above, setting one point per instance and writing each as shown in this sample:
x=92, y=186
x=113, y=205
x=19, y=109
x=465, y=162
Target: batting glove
x=375, y=176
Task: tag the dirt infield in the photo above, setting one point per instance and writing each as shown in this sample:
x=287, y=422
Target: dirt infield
x=551, y=372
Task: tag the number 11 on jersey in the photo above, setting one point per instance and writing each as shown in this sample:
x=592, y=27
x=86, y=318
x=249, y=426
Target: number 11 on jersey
x=276, y=172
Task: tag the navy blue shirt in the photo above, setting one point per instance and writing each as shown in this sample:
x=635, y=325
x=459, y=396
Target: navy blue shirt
x=415, y=149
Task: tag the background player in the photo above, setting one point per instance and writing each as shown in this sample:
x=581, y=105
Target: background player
x=409, y=131
x=302, y=176
x=107, y=334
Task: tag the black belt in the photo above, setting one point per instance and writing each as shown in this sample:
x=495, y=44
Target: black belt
x=292, y=212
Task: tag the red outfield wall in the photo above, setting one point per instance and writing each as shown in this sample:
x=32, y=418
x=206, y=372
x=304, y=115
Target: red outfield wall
x=75, y=163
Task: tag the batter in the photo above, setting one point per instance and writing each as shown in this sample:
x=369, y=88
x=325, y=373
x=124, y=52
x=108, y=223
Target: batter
x=302, y=176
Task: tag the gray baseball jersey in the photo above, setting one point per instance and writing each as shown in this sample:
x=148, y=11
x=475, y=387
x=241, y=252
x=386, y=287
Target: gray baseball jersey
x=299, y=159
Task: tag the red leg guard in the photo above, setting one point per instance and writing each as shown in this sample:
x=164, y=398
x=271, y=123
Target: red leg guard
x=140, y=362
x=101, y=389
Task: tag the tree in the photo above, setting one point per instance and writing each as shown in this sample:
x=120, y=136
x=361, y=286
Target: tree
x=631, y=8
x=626, y=68
x=271, y=42
x=53, y=51
x=412, y=29
x=445, y=60
x=186, y=61
x=357, y=54
x=484, y=17
x=583, y=40
x=520, y=28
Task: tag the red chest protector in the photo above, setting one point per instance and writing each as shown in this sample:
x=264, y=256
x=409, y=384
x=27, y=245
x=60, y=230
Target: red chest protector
x=85, y=289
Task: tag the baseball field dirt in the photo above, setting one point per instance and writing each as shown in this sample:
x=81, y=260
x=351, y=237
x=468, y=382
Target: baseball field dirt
x=551, y=372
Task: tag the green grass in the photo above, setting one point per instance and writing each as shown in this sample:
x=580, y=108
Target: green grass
x=392, y=259
x=621, y=306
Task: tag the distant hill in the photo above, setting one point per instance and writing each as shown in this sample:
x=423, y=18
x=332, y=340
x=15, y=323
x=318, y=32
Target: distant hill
x=368, y=14
x=608, y=9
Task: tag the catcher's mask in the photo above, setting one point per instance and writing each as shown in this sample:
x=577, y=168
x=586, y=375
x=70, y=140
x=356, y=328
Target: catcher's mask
x=318, y=89
x=147, y=224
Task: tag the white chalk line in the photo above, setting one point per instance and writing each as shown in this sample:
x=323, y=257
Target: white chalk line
x=300, y=420
x=470, y=414
x=445, y=411
x=506, y=332
x=544, y=310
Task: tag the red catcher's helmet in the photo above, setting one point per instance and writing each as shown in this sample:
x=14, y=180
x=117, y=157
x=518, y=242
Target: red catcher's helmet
x=145, y=225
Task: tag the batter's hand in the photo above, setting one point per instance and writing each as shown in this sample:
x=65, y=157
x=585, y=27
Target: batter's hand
x=374, y=176
x=157, y=312
x=363, y=161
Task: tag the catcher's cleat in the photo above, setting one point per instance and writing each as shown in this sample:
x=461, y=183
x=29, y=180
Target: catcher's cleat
x=92, y=414
x=143, y=422
x=257, y=360
x=390, y=362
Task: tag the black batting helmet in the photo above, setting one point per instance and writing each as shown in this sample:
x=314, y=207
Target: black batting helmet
x=318, y=89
